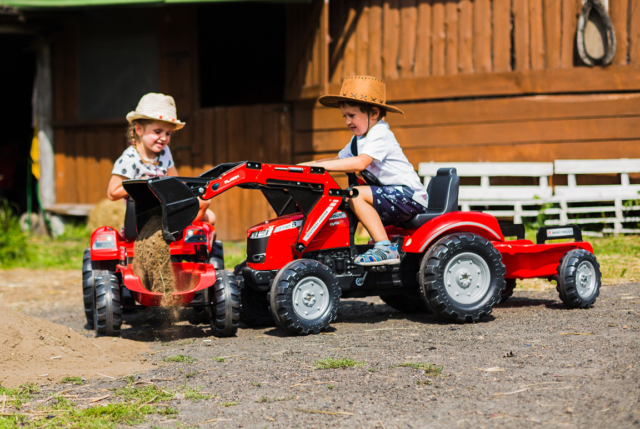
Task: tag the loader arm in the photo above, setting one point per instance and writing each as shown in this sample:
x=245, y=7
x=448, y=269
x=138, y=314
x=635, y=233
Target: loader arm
x=312, y=189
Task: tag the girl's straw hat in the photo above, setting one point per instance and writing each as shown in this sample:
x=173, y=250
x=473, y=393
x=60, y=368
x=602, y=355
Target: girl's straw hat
x=157, y=107
x=361, y=89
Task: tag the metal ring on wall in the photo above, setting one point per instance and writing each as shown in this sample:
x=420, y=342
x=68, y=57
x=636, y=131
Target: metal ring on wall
x=610, y=48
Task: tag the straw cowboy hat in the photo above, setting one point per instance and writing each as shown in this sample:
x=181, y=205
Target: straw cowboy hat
x=361, y=89
x=157, y=107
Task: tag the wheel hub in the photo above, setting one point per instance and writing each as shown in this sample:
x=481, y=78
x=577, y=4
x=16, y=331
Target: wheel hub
x=585, y=279
x=467, y=278
x=310, y=298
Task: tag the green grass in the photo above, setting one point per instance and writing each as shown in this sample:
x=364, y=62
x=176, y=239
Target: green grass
x=219, y=359
x=229, y=404
x=194, y=394
x=16, y=397
x=62, y=413
x=179, y=358
x=330, y=363
x=266, y=399
x=428, y=368
x=235, y=252
x=75, y=380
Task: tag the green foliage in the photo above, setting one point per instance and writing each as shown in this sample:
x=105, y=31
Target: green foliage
x=219, y=359
x=75, y=380
x=330, y=386
x=180, y=358
x=143, y=394
x=194, y=394
x=229, y=404
x=330, y=363
x=13, y=242
x=234, y=253
x=428, y=368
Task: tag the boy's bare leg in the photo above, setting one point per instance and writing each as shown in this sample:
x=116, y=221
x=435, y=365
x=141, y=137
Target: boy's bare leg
x=362, y=207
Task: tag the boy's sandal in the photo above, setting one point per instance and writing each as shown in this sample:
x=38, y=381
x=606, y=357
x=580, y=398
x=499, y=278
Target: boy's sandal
x=378, y=256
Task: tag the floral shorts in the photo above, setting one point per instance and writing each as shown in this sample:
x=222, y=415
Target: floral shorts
x=395, y=204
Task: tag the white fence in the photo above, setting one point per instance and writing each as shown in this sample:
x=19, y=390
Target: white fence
x=615, y=204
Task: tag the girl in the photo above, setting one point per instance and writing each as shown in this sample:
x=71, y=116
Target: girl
x=151, y=126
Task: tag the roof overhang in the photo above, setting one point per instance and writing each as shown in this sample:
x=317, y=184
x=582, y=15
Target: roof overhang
x=59, y=4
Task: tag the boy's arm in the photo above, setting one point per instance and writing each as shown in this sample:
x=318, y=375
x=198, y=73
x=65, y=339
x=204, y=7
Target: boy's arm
x=353, y=164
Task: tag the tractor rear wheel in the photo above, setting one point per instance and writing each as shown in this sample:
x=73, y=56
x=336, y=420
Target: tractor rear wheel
x=107, y=311
x=254, y=305
x=87, y=285
x=579, y=279
x=462, y=277
x=304, y=297
x=406, y=303
x=224, y=311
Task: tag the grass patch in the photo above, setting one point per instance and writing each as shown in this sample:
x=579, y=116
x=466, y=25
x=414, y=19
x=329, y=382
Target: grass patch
x=234, y=253
x=330, y=363
x=137, y=403
x=194, y=394
x=266, y=399
x=75, y=380
x=179, y=358
x=219, y=359
x=424, y=382
x=16, y=397
x=229, y=404
x=330, y=386
x=256, y=384
x=428, y=368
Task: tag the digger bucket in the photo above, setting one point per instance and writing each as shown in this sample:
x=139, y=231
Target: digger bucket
x=166, y=196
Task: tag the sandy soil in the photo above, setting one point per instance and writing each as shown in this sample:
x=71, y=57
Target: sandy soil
x=533, y=363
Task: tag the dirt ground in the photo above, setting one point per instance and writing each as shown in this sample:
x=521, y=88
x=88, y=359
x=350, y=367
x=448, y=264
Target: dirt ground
x=532, y=363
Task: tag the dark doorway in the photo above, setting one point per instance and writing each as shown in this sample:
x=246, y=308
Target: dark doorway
x=242, y=53
x=17, y=76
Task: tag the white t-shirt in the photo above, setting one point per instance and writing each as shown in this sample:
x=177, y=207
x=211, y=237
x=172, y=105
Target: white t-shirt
x=130, y=164
x=389, y=165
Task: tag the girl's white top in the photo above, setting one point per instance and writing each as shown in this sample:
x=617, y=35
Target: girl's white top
x=131, y=166
x=389, y=165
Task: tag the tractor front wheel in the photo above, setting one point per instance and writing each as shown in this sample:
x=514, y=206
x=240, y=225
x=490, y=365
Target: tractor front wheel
x=579, y=279
x=107, y=311
x=224, y=311
x=304, y=297
x=87, y=285
x=462, y=277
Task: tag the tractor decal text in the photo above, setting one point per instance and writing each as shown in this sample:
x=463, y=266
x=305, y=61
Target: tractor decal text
x=290, y=225
x=236, y=177
x=320, y=220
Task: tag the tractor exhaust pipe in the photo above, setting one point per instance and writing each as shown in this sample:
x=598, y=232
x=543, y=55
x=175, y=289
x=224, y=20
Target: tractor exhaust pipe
x=168, y=197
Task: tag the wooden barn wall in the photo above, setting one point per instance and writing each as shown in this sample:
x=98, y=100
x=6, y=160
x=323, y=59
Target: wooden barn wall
x=480, y=80
x=86, y=150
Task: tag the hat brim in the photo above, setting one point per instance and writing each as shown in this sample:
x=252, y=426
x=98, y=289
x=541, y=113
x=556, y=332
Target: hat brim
x=335, y=100
x=132, y=116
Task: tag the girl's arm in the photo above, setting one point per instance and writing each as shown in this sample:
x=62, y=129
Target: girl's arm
x=352, y=164
x=115, y=190
x=314, y=163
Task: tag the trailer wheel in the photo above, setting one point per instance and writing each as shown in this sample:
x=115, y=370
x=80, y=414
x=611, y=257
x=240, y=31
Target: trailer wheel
x=254, y=305
x=508, y=290
x=224, y=311
x=87, y=285
x=107, y=311
x=579, y=279
x=406, y=303
x=462, y=277
x=304, y=297
x=216, y=259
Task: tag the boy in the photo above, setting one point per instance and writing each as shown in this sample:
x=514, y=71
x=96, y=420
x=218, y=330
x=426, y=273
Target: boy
x=374, y=148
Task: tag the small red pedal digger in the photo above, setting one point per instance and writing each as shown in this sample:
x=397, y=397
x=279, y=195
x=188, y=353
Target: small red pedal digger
x=456, y=264
x=197, y=261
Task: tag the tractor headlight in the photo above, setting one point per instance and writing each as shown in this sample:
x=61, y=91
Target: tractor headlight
x=104, y=241
x=195, y=236
x=261, y=234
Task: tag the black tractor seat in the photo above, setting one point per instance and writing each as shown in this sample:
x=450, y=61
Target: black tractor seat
x=443, y=198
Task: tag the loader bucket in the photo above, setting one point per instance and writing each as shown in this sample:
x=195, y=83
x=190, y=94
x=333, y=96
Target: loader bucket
x=166, y=196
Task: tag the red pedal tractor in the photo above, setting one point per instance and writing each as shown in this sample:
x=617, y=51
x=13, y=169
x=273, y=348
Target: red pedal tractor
x=197, y=260
x=456, y=264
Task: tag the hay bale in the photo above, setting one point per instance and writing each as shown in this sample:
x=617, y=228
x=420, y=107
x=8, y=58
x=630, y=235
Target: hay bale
x=152, y=261
x=107, y=213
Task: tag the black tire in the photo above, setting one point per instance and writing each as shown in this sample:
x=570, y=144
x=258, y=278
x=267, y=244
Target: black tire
x=254, y=305
x=579, y=279
x=87, y=285
x=406, y=303
x=287, y=282
x=510, y=285
x=472, y=252
x=107, y=311
x=217, y=255
x=224, y=312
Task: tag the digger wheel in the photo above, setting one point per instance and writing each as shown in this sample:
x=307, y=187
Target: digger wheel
x=224, y=311
x=107, y=311
x=87, y=285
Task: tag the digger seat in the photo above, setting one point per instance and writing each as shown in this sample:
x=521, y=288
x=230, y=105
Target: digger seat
x=443, y=197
